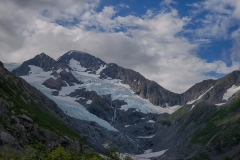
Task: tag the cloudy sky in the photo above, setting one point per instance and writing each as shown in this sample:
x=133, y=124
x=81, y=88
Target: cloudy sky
x=176, y=43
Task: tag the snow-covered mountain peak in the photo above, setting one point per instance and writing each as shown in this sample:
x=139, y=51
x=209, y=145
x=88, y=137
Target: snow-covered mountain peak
x=85, y=60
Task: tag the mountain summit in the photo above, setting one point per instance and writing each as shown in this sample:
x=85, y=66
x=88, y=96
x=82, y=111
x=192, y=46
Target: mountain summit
x=42, y=60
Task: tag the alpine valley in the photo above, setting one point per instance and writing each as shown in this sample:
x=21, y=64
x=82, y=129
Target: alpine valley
x=111, y=106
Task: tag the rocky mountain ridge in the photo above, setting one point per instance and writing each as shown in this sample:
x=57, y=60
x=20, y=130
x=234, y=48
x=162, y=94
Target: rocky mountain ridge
x=42, y=60
x=123, y=104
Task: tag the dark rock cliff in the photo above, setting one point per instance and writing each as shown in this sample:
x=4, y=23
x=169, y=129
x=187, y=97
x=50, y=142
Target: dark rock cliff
x=42, y=60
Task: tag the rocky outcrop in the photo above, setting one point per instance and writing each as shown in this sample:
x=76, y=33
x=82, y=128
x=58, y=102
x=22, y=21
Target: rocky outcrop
x=42, y=60
x=20, y=130
x=26, y=132
x=69, y=78
x=95, y=104
x=62, y=79
x=3, y=108
x=54, y=83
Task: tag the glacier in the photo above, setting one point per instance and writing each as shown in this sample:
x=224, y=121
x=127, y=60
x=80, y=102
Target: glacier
x=66, y=104
x=92, y=82
x=116, y=89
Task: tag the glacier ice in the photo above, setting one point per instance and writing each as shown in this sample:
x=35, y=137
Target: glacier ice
x=117, y=90
x=66, y=103
x=92, y=82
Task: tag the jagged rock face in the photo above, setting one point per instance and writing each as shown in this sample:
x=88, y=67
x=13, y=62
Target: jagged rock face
x=61, y=66
x=86, y=60
x=69, y=78
x=198, y=89
x=42, y=60
x=3, y=108
x=1, y=64
x=215, y=95
x=26, y=132
x=145, y=88
x=2, y=69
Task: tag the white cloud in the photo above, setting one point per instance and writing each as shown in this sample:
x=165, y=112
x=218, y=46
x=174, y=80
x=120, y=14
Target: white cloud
x=167, y=2
x=123, y=5
x=219, y=21
x=149, y=44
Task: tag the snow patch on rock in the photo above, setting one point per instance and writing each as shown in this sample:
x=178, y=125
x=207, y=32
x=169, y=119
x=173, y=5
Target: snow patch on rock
x=100, y=69
x=89, y=102
x=151, y=121
x=150, y=154
x=230, y=92
x=220, y=104
x=146, y=136
x=193, y=101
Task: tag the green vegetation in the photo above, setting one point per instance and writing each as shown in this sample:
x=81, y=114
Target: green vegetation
x=228, y=113
x=167, y=120
x=41, y=153
x=23, y=104
x=114, y=154
x=198, y=115
x=203, y=136
x=179, y=113
x=201, y=156
x=220, y=130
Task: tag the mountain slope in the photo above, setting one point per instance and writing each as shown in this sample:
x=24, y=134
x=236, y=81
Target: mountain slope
x=196, y=91
x=107, y=103
x=204, y=132
x=29, y=117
